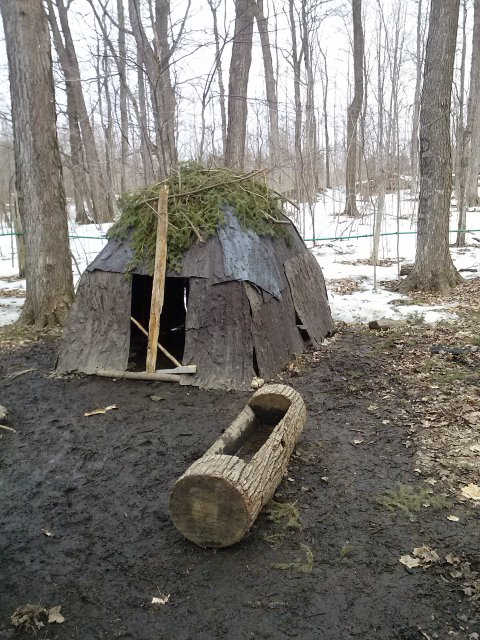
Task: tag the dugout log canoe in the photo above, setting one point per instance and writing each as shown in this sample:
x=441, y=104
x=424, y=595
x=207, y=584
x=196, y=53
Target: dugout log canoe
x=215, y=502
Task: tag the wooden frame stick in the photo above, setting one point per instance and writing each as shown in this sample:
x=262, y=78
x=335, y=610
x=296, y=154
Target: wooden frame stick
x=159, y=346
x=158, y=287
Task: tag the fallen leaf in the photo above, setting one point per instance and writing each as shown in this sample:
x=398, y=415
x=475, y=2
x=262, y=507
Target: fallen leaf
x=29, y=616
x=471, y=491
x=96, y=412
x=410, y=562
x=54, y=615
x=161, y=600
x=472, y=418
x=426, y=554
x=48, y=533
x=453, y=518
x=451, y=559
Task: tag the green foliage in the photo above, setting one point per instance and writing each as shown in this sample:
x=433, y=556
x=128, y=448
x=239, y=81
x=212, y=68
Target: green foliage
x=197, y=198
x=285, y=514
x=302, y=565
x=410, y=499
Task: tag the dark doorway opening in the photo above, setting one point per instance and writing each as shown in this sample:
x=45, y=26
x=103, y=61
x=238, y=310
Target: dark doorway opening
x=172, y=321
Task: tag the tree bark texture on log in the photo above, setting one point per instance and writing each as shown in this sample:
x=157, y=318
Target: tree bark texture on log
x=215, y=502
x=38, y=171
x=434, y=269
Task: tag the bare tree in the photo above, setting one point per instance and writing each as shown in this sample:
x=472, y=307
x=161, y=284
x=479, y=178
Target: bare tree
x=467, y=171
x=67, y=56
x=238, y=84
x=41, y=197
x=419, y=57
x=434, y=269
x=270, y=84
x=354, y=110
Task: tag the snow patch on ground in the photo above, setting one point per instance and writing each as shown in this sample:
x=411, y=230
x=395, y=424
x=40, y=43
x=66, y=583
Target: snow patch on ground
x=339, y=259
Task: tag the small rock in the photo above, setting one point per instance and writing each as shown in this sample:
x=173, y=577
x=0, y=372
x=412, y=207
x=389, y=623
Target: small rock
x=257, y=383
x=3, y=413
x=157, y=398
x=383, y=324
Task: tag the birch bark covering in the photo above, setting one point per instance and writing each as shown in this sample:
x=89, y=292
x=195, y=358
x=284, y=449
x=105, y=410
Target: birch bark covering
x=218, y=498
x=41, y=197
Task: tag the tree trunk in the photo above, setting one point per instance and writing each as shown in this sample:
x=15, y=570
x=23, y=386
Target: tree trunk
x=270, y=87
x=468, y=174
x=328, y=182
x=218, y=63
x=238, y=85
x=157, y=61
x=71, y=71
x=122, y=68
x=461, y=139
x=353, y=111
x=434, y=269
x=414, y=155
x=296, y=64
x=41, y=197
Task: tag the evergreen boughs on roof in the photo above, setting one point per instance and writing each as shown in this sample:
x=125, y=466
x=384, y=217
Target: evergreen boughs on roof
x=196, y=208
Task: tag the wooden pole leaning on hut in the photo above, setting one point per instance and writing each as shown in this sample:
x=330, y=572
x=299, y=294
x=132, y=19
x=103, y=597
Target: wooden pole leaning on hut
x=158, y=287
x=215, y=502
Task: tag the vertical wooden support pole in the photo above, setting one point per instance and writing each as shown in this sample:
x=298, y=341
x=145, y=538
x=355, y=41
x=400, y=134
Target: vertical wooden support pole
x=158, y=288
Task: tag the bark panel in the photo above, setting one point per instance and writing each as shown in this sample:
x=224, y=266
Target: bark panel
x=218, y=335
x=309, y=296
x=97, y=335
x=275, y=334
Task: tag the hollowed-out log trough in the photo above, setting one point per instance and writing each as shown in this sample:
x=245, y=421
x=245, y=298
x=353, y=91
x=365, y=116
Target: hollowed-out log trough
x=217, y=499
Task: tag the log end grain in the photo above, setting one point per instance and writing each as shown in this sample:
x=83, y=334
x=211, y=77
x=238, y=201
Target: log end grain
x=209, y=511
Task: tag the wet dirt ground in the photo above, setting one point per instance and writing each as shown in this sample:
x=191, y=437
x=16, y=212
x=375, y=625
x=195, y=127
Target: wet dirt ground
x=100, y=485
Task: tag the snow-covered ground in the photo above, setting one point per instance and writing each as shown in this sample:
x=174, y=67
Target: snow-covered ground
x=339, y=259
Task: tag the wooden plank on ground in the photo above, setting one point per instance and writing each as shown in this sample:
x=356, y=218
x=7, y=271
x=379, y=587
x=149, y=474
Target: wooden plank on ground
x=158, y=288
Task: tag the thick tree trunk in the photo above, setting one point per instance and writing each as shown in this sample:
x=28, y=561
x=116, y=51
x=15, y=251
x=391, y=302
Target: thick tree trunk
x=41, y=196
x=434, y=269
x=217, y=499
x=238, y=85
x=353, y=111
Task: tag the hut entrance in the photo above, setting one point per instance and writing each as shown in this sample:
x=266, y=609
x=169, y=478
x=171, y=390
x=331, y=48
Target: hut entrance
x=172, y=321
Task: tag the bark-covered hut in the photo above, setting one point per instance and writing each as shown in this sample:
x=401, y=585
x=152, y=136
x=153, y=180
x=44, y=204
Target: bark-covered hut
x=242, y=292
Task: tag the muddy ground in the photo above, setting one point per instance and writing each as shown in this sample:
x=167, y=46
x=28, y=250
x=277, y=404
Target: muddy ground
x=330, y=570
